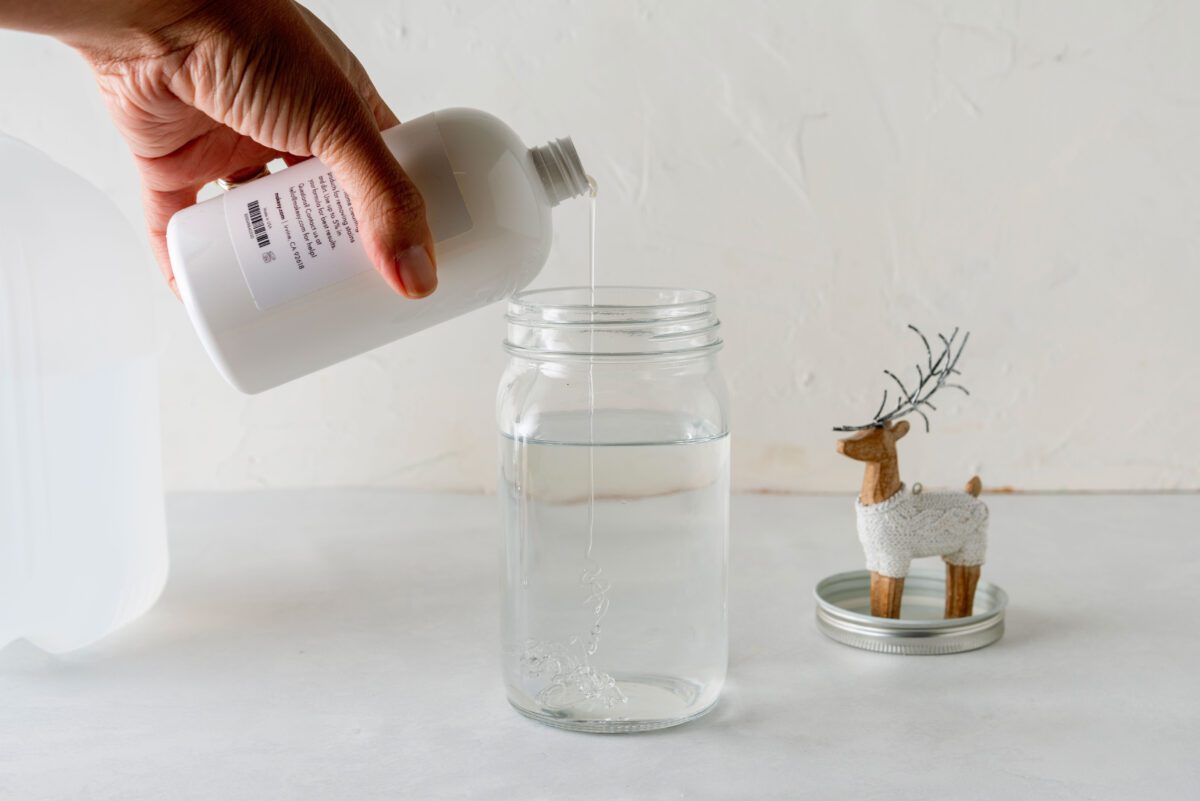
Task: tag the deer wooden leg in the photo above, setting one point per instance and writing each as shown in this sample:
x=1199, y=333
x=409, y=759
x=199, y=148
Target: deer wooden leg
x=960, y=589
x=885, y=595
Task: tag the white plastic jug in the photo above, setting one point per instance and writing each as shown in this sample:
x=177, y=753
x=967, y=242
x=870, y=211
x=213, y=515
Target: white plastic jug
x=82, y=533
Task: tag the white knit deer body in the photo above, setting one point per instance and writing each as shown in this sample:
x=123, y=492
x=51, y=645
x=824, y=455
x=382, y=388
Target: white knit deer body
x=912, y=525
x=896, y=525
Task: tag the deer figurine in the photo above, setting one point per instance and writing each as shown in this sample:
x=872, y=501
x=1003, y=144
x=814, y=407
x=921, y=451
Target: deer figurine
x=897, y=525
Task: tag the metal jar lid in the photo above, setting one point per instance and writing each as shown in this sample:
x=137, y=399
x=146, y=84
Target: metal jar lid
x=843, y=614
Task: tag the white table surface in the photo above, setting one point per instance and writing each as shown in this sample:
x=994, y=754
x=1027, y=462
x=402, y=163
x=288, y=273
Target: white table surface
x=343, y=645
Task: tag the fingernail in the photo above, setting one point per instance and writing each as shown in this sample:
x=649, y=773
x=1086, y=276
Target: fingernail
x=416, y=272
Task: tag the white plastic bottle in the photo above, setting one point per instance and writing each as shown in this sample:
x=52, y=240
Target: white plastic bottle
x=277, y=283
x=83, y=546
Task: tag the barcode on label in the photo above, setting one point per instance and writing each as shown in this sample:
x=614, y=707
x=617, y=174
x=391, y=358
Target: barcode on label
x=257, y=225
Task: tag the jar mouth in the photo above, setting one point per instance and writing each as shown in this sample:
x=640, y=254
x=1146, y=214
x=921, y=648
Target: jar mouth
x=572, y=305
x=623, y=321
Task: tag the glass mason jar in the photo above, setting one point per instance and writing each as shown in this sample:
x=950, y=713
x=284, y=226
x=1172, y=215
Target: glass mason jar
x=614, y=481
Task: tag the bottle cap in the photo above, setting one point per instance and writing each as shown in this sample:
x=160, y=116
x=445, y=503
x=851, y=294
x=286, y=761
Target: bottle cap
x=561, y=171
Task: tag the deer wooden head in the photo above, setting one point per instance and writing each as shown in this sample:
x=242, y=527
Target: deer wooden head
x=875, y=442
x=877, y=447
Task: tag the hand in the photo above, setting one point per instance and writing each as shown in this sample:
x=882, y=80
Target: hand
x=208, y=90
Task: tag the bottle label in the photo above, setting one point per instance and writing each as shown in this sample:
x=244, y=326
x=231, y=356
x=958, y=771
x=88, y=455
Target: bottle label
x=296, y=231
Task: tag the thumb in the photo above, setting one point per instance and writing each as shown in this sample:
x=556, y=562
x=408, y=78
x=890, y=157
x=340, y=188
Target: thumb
x=389, y=207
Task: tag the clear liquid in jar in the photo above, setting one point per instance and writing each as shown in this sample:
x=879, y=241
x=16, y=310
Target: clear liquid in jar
x=606, y=487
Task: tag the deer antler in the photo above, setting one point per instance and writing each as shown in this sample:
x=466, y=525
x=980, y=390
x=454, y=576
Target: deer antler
x=933, y=377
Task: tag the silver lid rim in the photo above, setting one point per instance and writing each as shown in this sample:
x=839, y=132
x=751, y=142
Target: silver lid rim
x=908, y=636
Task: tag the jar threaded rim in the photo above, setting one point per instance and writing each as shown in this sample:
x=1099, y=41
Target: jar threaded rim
x=623, y=322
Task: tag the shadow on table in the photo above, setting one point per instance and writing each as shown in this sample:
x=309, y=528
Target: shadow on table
x=321, y=607
x=1024, y=627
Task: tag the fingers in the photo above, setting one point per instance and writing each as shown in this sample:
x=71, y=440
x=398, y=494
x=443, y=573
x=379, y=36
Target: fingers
x=352, y=69
x=245, y=175
x=416, y=269
x=389, y=207
x=170, y=182
x=384, y=117
x=160, y=206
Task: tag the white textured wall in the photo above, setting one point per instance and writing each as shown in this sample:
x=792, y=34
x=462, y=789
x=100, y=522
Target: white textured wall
x=832, y=170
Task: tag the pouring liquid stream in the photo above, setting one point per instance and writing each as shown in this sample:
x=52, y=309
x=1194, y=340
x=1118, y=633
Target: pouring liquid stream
x=591, y=576
x=571, y=679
